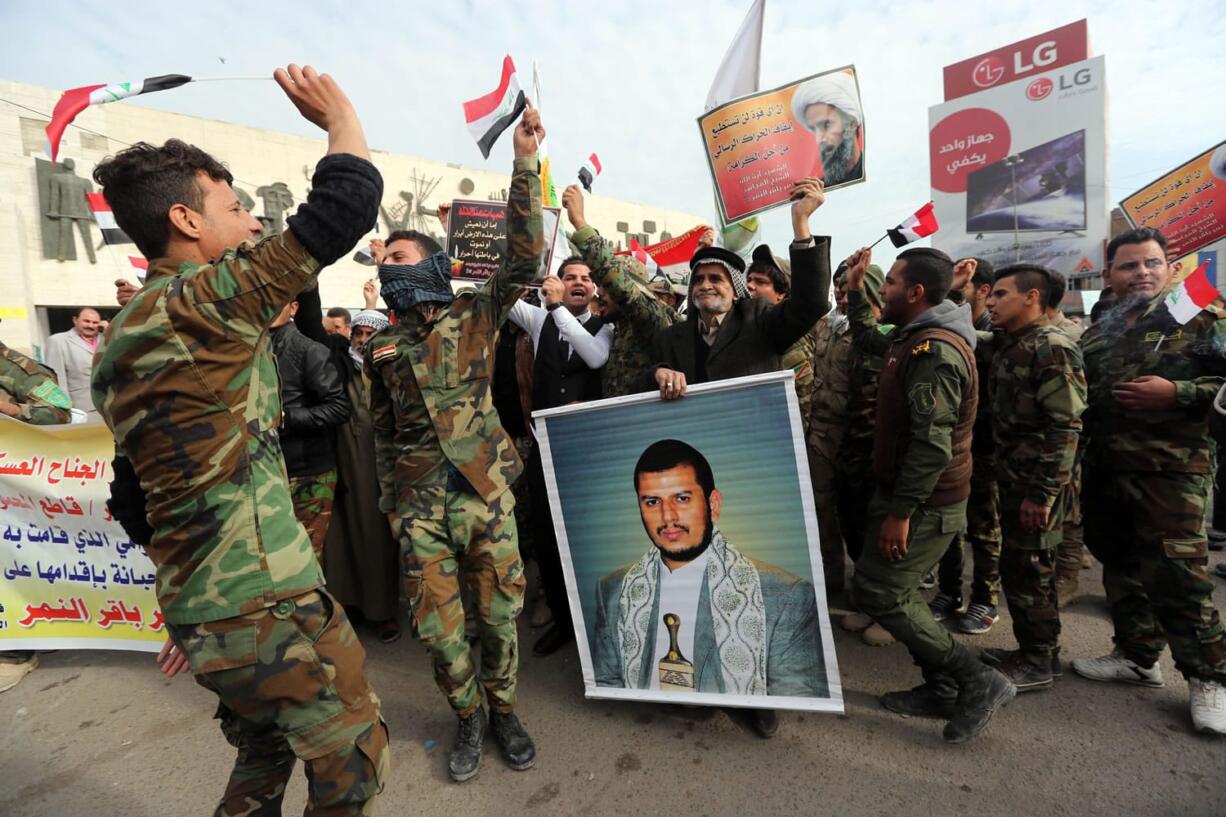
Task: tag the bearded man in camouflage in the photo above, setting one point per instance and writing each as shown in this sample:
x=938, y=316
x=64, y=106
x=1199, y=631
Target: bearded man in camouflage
x=186, y=381
x=446, y=464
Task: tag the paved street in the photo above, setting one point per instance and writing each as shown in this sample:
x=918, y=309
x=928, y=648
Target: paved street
x=97, y=733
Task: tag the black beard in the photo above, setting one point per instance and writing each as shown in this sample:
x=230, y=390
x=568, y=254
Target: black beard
x=690, y=554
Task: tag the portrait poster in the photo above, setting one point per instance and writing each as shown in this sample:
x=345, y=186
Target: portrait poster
x=72, y=577
x=477, y=238
x=690, y=547
x=758, y=145
x=1187, y=204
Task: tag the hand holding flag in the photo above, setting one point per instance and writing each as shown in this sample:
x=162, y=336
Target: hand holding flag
x=1191, y=295
x=488, y=116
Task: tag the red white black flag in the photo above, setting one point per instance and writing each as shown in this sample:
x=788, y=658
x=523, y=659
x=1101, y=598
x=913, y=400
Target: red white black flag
x=490, y=115
x=105, y=220
x=589, y=172
x=75, y=100
x=923, y=223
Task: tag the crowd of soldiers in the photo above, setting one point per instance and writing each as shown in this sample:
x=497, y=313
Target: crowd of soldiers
x=943, y=403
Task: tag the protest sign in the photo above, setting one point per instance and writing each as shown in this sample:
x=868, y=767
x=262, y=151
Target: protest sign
x=691, y=556
x=72, y=577
x=757, y=146
x=477, y=238
x=1187, y=205
x=1018, y=170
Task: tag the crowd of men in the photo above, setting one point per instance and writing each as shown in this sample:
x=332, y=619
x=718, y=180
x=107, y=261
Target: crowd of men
x=285, y=471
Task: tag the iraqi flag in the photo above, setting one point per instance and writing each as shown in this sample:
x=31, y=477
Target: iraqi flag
x=923, y=223
x=640, y=254
x=105, y=220
x=589, y=172
x=490, y=115
x=1191, y=295
x=672, y=257
x=75, y=100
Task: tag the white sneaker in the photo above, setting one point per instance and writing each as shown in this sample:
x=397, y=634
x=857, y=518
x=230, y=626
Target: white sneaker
x=11, y=673
x=1208, y=703
x=855, y=622
x=1115, y=667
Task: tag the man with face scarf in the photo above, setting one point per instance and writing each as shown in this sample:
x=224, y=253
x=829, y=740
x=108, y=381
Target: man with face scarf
x=446, y=464
x=829, y=107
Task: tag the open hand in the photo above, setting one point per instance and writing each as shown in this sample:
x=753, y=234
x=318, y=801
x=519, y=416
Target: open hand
x=316, y=96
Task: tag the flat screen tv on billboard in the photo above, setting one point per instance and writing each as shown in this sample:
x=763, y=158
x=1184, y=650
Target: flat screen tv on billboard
x=1044, y=191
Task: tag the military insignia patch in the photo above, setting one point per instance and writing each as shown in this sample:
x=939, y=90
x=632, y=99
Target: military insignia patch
x=48, y=392
x=1154, y=337
x=922, y=348
x=922, y=398
x=384, y=353
x=802, y=369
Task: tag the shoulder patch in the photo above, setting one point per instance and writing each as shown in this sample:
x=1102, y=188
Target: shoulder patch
x=383, y=353
x=803, y=369
x=921, y=349
x=885, y=328
x=48, y=392
x=922, y=398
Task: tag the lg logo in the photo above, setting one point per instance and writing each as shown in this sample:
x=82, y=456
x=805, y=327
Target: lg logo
x=1039, y=89
x=988, y=72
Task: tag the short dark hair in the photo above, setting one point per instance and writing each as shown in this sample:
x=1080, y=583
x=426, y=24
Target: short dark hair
x=143, y=182
x=1137, y=235
x=778, y=280
x=342, y=313
x=77, y=312
x=424, y=242
x=985, y=273
x=570, y=261
x=665, y=455
x=930, y=268
x=1030, y=276
x=1059, y=286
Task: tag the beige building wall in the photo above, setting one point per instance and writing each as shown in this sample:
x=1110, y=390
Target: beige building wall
x=30, y=284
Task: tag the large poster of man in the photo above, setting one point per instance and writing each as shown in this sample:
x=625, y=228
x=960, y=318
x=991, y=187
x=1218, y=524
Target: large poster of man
x=690, y=547
x=757, y=146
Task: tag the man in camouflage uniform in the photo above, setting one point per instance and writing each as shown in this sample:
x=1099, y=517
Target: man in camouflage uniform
x=1038, y=393
x=824, y=421
x=926, y=399
x=637, y=314
x=1071, y=552
x=1148, y=471
x=186, y=381
x=446, y=464
x=28, y=392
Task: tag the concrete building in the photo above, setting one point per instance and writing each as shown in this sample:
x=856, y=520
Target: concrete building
x=37, y=294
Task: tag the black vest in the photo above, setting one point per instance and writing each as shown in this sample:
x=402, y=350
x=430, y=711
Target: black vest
x=557, y=379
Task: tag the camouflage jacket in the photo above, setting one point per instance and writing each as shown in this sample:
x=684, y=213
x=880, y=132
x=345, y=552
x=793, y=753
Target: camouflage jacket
x=1038, y=390
x=185, y=379
x=641, y=313
x=32, y=388
x=827, y=408
x=430, y=389
x=1071, y=328
x=1175, y=439
x=799, y=358
x=863, y=365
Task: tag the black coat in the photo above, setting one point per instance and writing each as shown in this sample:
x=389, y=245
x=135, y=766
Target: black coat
x=313, y=402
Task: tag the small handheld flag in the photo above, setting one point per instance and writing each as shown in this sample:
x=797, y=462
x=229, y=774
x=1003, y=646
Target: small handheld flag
x=589, y=172
x=1187, y=298
x=920, y=225
x=75, y=100
x=490, y=115
x=105, y=219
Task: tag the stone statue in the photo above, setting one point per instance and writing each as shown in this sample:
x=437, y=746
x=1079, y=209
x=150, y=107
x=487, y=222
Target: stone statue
x=66, y=210
x=277, y=200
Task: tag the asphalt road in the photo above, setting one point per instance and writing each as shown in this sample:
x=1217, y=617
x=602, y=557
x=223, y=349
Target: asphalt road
x=101, y=733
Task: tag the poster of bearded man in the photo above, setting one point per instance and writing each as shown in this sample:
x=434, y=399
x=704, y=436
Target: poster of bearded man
x=759, y=145
x=690, y=547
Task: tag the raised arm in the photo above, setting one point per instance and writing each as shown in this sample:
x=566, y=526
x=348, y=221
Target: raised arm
x=525, y=230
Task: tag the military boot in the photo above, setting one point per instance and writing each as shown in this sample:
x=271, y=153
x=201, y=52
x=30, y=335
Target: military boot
x=981, y=691
x=937, y=697
x=465, y=759
x=516, y=746
x=993, y=656
x=1027, y=672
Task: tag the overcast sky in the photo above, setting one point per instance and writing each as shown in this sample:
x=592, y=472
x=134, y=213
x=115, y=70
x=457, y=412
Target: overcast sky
x=628, y=79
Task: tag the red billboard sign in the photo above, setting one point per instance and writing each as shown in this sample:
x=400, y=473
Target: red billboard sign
x=1034, y=55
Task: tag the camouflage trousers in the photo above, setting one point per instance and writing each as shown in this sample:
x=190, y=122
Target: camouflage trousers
x=291, y=684
x=1072, y=546
x=984, y=535
x=821, y=474
x=312, y=497
x=1148, y=530
x=462, y=540
x=1028, y=573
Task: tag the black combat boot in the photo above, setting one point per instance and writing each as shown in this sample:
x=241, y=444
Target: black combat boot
x=516, y=746
x=765, y=722
x=465, y=759
x=981, y=691
x=1028, y=672
x=937, y=697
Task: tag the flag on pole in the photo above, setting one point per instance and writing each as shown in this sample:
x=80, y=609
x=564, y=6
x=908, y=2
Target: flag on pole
x=589, y=172
x=739, y=72
x=105, y=219
x=549, y=190
x=923, y=223
x=75, y=100
x=1191, y=295
x=490, y=115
